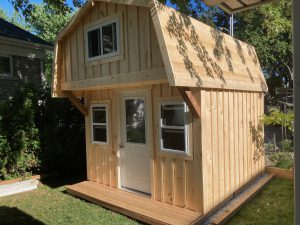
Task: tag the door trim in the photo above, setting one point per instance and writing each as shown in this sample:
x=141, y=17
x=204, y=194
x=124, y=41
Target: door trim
x=145, y=93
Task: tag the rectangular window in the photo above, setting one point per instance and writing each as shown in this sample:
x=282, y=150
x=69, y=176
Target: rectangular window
x=103, y=40
x=5, y=65
x=99, y=124
x=173, y=126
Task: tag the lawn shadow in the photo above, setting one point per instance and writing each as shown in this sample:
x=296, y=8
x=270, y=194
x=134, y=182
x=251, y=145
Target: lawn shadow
x=13, y=216
x=63, y=180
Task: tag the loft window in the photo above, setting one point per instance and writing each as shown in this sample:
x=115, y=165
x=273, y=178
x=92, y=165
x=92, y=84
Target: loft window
x=99, y=124
x=173, y=127
x=103, y=40
x=5, y=65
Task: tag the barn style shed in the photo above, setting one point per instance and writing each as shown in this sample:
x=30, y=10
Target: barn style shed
x=171, y=106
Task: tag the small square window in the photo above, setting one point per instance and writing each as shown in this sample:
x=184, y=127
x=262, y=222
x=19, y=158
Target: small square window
x=99, y=124
x=103, y=40
x=5, y=66
x=173, y=131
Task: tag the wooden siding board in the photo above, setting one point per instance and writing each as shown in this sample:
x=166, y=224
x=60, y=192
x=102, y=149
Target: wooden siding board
x=207, y=157
x=133, y=39
x=226, y=137
x=80, y=50
x=220, y=139
x=236, y=140
x=231, y=141
x=144, y=40
x=179, y=174
x=156, y=93
x=215, y=172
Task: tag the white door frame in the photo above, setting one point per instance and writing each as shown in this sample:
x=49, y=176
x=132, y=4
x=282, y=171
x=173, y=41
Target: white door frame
x=145, y=94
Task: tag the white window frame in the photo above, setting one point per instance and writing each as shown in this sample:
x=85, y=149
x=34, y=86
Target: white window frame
x=11, y=66
x=185, y=128
x=100, y=124
x=98, y=25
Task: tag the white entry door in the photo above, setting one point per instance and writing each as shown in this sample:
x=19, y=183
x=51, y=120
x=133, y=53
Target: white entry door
x=134, y=146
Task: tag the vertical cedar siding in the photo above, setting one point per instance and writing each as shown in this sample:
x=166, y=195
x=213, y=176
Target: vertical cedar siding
x=231, y=148
x=138, y=39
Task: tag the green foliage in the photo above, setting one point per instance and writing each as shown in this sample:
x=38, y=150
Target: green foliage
x=62, y=135
x=279, y=118
x=282, y=159
x=39, y=133
x=52, y=206
x=269, y=29
x=16, y=19
x=274, y=205
x=21, y=146
x=46, y=21
x=287, y=145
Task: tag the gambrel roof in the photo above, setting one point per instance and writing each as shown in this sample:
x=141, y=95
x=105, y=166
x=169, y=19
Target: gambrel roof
x=194, y=54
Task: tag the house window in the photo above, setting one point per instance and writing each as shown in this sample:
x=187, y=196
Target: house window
x=173, y=127
x=5, y=65
x=99, y=124
x=103, y=40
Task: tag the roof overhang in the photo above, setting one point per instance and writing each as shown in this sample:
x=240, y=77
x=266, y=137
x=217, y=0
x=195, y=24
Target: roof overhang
x=236, y=6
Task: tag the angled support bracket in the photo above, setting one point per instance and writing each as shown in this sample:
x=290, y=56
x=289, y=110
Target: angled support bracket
x=76, y=102
x=190, y=100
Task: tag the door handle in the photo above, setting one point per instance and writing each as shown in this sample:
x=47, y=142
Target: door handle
x=121, y=146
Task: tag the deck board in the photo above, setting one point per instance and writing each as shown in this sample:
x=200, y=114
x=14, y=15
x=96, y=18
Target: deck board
x=133, y=205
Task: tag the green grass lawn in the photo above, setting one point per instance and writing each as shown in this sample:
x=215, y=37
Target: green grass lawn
x=273, y=206
x=50, y=204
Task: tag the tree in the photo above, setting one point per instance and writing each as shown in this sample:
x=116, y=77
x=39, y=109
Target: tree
x=15, y=19
x=269, y=29
x=46, y=22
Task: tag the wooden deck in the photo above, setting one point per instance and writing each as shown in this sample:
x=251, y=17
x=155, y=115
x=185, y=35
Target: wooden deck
x=133, y=205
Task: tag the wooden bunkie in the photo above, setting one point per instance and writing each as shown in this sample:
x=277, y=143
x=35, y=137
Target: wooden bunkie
x=224, y=96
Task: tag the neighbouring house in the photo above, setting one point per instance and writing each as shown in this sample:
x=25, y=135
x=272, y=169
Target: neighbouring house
x=21, y=58
x=171, y=106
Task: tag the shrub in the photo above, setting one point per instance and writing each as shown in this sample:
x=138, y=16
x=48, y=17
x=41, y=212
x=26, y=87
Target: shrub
x=282, y=159
x=21, y=144
x=40, y=133
x=279, y=118
x=287, y=145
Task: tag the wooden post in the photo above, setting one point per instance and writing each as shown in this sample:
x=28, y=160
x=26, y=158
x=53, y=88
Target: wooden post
x=190, y=100
x=76, y=102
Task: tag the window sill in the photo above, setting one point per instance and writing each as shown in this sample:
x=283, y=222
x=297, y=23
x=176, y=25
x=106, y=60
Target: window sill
x=175, y=154
x=95, y=62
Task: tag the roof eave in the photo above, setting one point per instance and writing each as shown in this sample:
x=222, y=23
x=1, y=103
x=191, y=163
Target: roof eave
x=28, y=44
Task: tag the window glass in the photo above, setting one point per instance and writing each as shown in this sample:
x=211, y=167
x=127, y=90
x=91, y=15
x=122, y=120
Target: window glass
x=99, y=132
x=99, y=124
x=5, y=65
x=173, y=139
x=94, y=43
x=109, y=34
x=173, y=115
x=99, y=115
x=102, y=40
x=135, y=120
x=172, y=127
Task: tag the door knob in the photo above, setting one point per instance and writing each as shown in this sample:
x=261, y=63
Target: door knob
x=121, y=146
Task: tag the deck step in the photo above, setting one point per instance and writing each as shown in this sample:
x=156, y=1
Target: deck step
x=133, y=205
